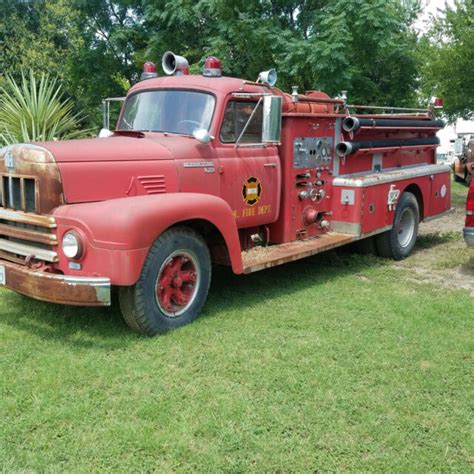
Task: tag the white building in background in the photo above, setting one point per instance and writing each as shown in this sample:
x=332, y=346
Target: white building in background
x=465, y=128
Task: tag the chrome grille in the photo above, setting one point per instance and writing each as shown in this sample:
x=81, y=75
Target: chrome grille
x=18, y=193
x=24, y=235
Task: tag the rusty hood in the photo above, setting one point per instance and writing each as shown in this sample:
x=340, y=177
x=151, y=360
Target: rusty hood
x=97, y=169
x=118, y=166
x=114, y=148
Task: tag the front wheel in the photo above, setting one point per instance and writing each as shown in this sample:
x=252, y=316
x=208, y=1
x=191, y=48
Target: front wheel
x=173, y=285
x=398, y=242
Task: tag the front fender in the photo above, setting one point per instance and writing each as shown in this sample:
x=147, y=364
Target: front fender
x=129, y=224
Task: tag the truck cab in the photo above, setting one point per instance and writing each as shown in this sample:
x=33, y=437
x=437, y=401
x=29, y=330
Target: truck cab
x=203, y=170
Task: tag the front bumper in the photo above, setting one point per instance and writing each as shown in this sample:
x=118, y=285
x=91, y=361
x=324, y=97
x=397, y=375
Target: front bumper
x=469, y=236
x=54, y=288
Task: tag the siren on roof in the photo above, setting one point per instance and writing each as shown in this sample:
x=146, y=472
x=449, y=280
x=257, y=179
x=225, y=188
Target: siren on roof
x=174, y=65
x=268, y=77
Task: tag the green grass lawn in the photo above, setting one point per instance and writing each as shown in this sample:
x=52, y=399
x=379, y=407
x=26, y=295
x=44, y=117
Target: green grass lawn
x=336, y=362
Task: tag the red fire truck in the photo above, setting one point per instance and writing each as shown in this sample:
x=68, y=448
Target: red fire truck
x=203, y=170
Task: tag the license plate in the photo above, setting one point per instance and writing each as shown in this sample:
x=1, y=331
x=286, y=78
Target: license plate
x=3, y=280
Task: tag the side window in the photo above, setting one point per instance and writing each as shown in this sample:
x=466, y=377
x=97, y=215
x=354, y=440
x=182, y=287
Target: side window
x=236, y=116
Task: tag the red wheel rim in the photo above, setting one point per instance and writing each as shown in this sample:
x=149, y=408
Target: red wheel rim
x=177, y=283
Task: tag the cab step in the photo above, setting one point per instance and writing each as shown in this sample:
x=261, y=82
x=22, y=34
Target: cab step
x=260, y=258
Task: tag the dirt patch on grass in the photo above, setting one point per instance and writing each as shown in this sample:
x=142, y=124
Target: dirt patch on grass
x=441, y=255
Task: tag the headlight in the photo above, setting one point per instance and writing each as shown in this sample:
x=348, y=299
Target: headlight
x=72, y=245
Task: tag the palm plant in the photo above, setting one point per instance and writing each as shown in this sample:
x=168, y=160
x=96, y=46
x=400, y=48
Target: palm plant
x=35, y=110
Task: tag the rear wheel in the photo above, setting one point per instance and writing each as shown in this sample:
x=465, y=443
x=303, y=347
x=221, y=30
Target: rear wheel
x=173, y=285
x=398, y=242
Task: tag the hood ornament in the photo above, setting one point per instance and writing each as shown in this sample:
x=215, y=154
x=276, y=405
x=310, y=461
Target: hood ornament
x=9, y=160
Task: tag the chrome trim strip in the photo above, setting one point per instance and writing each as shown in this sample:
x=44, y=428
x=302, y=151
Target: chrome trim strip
x=364, y=180
x=377, y=231
x=27, y=250
x=101, y=285
x=346, y=227
x=355, y=229
x=76, y=280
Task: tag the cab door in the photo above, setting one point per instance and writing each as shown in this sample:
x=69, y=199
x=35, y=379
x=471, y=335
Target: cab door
x=250, y=171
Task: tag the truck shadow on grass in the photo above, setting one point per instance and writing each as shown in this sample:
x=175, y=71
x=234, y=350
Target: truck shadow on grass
x=104, y=328
x=436, y=238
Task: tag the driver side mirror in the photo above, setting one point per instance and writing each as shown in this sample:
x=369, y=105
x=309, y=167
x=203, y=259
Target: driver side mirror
x=202, y=135
x=271, y=130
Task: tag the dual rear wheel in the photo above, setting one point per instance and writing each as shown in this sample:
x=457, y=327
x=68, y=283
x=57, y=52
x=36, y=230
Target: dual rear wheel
x=398, y=242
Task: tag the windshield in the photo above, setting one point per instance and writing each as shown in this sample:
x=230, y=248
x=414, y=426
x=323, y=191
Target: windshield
x=173, y=111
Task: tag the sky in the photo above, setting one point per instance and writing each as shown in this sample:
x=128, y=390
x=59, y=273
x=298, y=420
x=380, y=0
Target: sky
x=429, y=8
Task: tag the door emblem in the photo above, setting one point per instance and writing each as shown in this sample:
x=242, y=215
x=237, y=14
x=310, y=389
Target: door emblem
x=251, y=191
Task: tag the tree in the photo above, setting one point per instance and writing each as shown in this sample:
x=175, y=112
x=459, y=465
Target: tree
x=109, y=61
x=448, y=54
x=89, y=45
x=39, y=35
x=97, y=47
x=363, y=46
x=35, y=111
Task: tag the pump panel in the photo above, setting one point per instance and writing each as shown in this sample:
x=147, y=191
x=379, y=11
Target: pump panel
x=309, y=152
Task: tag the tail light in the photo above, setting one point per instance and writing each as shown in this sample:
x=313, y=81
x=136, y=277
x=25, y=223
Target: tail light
x=470, y=206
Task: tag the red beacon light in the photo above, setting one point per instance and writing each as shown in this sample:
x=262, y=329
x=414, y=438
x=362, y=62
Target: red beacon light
x=212, y=67
x=149, y=71
x=437, y=102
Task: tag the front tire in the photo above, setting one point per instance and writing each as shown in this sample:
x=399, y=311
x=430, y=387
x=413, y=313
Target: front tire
x=398, y=242
x=173, y=285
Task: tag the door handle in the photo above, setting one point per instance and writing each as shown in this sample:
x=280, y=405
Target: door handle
x=270, y=165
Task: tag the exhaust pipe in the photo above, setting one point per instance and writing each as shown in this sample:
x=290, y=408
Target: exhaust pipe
x=174, y=65
x=351, y=124
x=348, y=148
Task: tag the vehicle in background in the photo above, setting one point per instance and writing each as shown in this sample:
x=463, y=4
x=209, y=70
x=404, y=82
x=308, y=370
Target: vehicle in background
x=469, y=228
x=446, y=157
x=464, y=163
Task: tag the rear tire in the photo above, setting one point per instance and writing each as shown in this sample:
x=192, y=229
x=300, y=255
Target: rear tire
x=398, y=242
x=173, y=285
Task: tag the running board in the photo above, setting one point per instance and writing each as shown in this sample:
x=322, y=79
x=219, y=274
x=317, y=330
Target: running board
x=260, y=258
